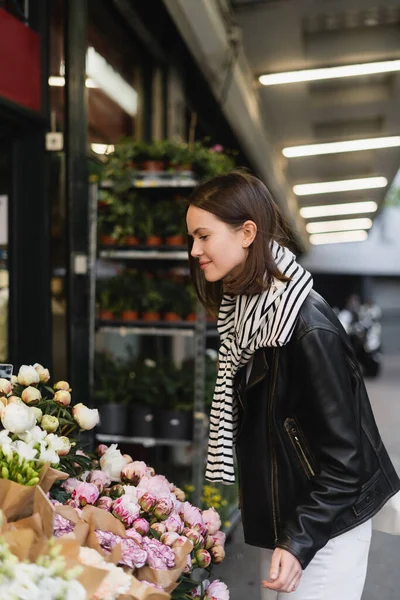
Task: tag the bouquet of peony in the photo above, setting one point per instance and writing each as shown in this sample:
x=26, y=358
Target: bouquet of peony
x=39, y=423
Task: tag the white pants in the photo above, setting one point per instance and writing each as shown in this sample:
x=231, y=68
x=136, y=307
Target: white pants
x=337, y=571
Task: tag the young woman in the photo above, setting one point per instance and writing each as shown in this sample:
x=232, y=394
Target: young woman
x=289, y=397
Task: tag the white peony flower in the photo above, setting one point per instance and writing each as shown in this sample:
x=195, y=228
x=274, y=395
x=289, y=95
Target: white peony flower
x=87, y=418
x=38, y=413
x=25, y=450
x=31, y=394
x=44, y=374
x=62, y=397
x=112, y=462
x=28, y=375
x=5, y=386
x=54, y=442
x=17, y=418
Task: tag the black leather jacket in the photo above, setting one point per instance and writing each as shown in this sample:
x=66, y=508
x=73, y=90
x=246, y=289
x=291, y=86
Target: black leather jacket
x=311, y=462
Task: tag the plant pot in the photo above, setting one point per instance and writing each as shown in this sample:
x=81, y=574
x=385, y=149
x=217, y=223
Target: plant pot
x=153, y=240
x=130, y=240
x=172, y=317
x=114, y=419
x=188, y=167
x=153, y=165
x=106, y=315
x=174, y=424
x=129, y=315
x=107, y=240
x=151, y=316
x=175, y=240
x=141, y=421
x=191, y=316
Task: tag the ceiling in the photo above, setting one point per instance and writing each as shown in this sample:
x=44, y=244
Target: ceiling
x=289, y=35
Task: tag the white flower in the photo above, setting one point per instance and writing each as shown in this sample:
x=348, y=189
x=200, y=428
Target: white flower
x=5, y=386
x=4, y=437
x=64, y=446
x=28, y=375
x=35, y=434
x=38, y=413
x=150, y=363
x=49, y=423
x=112, y=462
x=49, y=456
x=87, y=418
x=54, y=442
x=62, y=397
x=44, y=374
x=31, y=394
x=17, y=418
x=7, y=451
x=25, y=450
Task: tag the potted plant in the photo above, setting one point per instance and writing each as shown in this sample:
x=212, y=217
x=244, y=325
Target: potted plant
x=171, y=294
x=106, y=310
x=174, y=226
x=110, y=394
x=180, y=157
x=155, y=158
x=144, y=222
x=174, y=419
x=143, y=388
x=152, y=300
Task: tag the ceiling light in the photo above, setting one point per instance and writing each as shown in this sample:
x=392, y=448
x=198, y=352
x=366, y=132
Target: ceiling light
x=59, y=81
x=111, y=82
x=345, y=146
x=345, y=185
x=339, y=225
x=386, y=66
x=331, y=210
x=338, y=237
x=102, y=148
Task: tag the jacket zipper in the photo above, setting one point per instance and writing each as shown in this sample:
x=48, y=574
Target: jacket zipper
x=274, y=464
x=295, y=439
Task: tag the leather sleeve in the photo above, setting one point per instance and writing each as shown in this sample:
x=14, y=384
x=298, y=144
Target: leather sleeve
x=325, y=377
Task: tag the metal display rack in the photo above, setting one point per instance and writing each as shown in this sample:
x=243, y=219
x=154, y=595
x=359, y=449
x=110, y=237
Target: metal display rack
x=198, y=330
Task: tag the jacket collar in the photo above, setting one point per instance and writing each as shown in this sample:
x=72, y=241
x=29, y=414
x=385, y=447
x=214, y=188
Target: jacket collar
x=259, y=369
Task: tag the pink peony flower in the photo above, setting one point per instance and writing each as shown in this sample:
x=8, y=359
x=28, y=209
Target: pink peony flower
x=188, y=568
x=85, y=493
x=132, y=555
x=134, y=535
x=203, y=558
x=212, y=520
x=159, y=528
x=217, y=590
x=105, y=503
x=191, y=515
x=219, y=538
x=163, y=508
x=141, y=525
x=179, y=494
x=147, y=502
x=169, y=538
x=62, y=526
x=194, y=536
x=126, y=509
x=217, y=554
x=158, y=555
x=217, y=148
x=174, y=523
x=100, y=479
x=133, y=472
x=157, y=485
x=101, y=449
x=70, y=484
x=72, y=502
x=180, y=541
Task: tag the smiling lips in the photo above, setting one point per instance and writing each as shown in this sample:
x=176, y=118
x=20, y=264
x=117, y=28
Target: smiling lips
x=204, y=264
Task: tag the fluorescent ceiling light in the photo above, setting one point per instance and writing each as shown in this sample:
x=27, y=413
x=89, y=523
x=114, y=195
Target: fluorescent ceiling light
x=331, y=210
x=345, y=185
x=387, y=66
x=338, y=237
x=111, y=82
x=345, y=146
x=102, y=148
x=339, y=225
x=59, y=81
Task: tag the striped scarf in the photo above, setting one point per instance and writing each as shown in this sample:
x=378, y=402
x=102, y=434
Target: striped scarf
x=245, y=324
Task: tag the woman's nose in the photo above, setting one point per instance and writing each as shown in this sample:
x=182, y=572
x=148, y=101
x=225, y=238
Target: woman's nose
x=196, y=250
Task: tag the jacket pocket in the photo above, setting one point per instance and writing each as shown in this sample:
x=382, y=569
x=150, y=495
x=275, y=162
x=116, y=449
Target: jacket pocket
x=300, y=446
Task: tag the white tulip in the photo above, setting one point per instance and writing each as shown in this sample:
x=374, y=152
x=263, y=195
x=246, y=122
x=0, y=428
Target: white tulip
x=28, y=375
x=112, y=462
x=31, y=394
x=17, y=418
x=5, y=387
x=35, y=434
x=50, y=456
x=4, y=437
x=44, y=374
x=25, y=450
x=87, y=418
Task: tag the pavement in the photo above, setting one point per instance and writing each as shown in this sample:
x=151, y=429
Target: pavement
x=240, y=569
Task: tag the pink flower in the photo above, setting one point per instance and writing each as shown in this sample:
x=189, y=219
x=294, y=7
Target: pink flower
x=101, y=449
x=126, y=509
x=132, y=533
x=180, y=541
x=194, y=536
x=217, y=554
x=132, y=555
x=147, y=502
x=217, y=590
x=72, y=502
x=211, y=520
x=174, y=523
x=105, y=503
x=62, y=526
x=159, y=528
x=100, y=479
x=191, y=515
x=219, y=538
x=133, y=472
x=217, y=148
x=141, y=525
x=163, y=508
x=158, y=555
x=169, y=538
x=85, y=493
x=70, y=484
x=203, y=558
x=157, y=485
x=188, y=568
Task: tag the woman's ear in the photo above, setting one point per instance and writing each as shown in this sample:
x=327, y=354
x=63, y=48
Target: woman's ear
x=249, y=232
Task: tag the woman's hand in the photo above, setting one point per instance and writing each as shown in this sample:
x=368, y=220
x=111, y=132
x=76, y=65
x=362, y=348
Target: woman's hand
x=285, y=572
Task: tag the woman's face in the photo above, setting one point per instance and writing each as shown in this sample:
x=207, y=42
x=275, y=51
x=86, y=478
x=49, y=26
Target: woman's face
x=219, y=248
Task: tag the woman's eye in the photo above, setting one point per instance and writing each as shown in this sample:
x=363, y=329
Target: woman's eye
x=203, y=237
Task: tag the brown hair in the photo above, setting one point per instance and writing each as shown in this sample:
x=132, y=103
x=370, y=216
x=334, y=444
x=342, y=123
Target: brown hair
x=235, y=198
